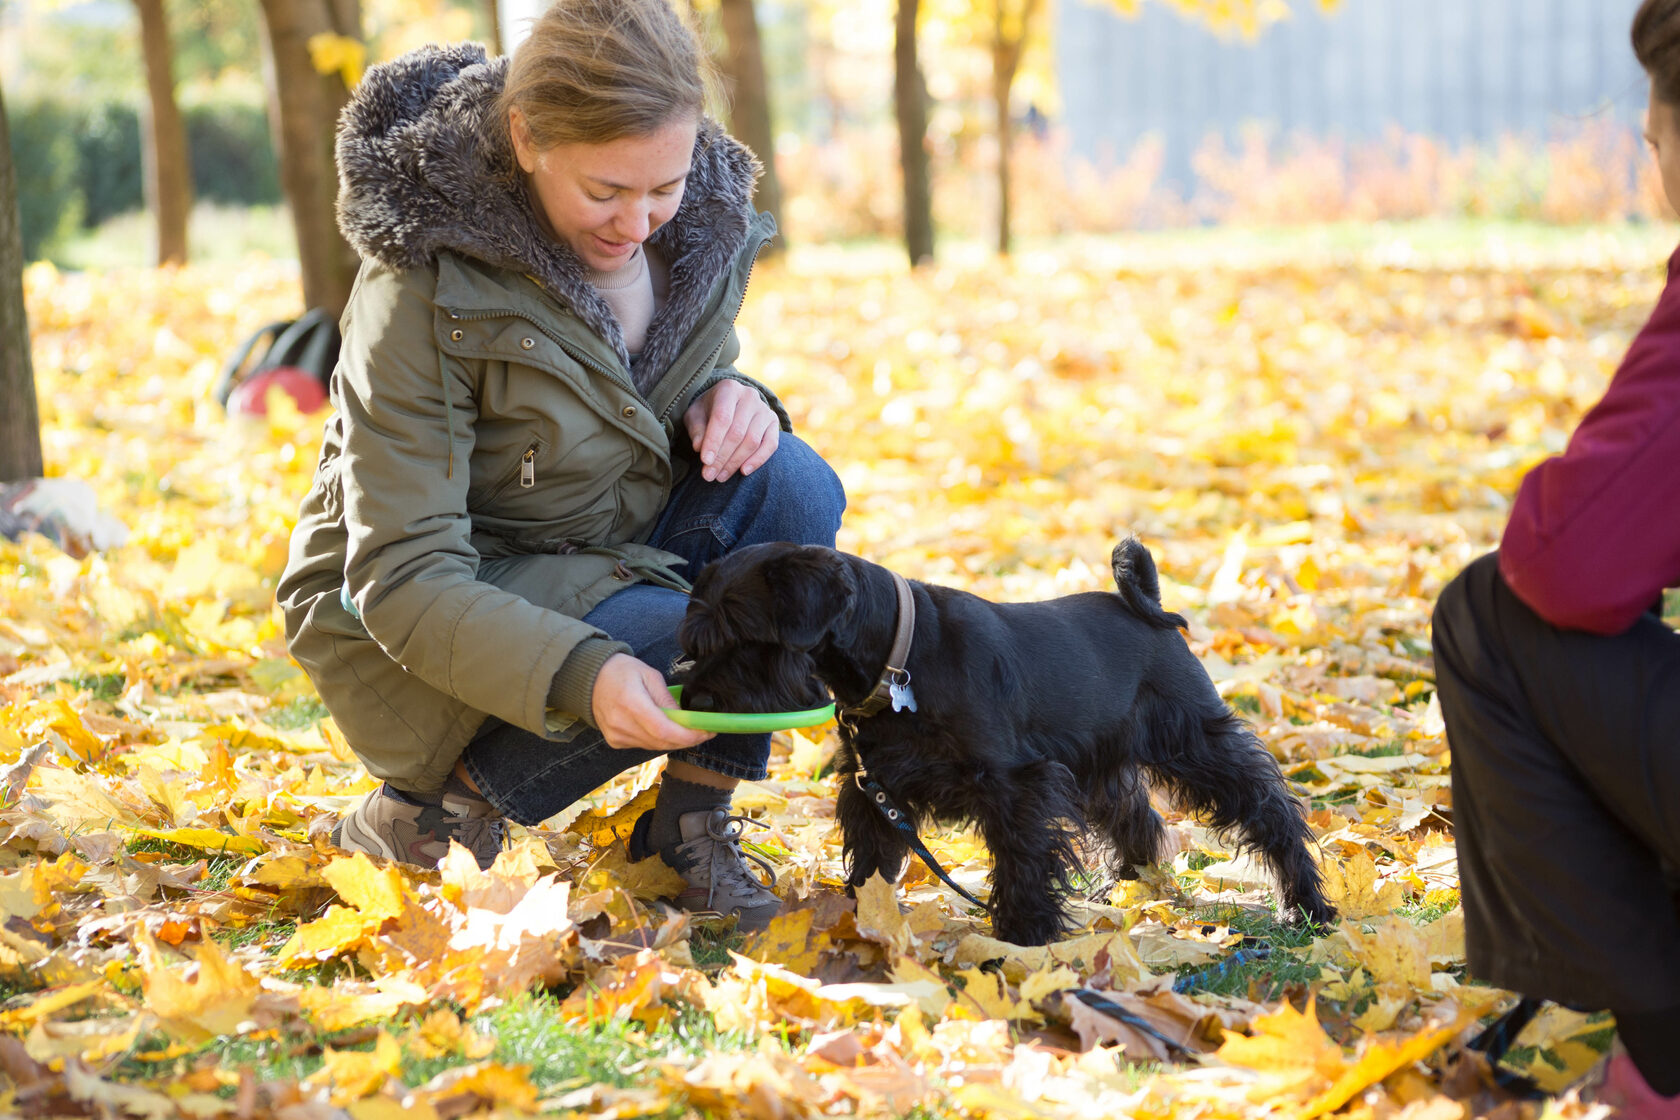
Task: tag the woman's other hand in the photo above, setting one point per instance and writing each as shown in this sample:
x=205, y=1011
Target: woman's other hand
x=732, y=428
x=628, y=704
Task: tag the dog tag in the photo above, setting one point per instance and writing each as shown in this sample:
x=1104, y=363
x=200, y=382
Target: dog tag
x=900, y=695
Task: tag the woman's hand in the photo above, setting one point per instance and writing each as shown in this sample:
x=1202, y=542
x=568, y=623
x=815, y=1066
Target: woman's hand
x=627, y=701
x=732, y=428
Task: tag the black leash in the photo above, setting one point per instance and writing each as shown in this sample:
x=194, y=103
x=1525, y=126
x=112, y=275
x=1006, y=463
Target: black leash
x=900, y=820
x=1497, y=1038
x=893, y=687
x=1098, y=1002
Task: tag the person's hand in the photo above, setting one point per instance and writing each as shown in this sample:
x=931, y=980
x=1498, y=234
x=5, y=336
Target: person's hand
x=627, y=701
x=732, y=428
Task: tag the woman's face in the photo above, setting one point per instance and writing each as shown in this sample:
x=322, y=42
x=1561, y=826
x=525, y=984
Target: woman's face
x=1662, y=132
x=605, y=199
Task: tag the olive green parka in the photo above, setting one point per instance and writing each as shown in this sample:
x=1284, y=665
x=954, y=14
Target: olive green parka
x=495, y=459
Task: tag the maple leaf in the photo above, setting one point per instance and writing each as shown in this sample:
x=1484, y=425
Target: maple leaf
x=218, y=997
x=353, y=1074
x=1290, y=1049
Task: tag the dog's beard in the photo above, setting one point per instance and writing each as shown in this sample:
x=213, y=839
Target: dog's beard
x=755, y=677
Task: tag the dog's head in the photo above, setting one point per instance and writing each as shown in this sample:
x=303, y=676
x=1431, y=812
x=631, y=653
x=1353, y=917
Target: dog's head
x=753, y=620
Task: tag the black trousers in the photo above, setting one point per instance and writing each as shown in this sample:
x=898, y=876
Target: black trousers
x=1566, y=797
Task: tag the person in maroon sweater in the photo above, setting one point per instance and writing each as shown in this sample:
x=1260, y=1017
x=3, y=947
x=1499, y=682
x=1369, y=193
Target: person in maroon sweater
x=1560, y=685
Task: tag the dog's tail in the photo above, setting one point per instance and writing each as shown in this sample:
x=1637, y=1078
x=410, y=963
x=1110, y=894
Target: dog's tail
x=1140, y=586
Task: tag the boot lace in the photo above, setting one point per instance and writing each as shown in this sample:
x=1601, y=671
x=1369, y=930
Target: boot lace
x=729, y=867
x=482, y=836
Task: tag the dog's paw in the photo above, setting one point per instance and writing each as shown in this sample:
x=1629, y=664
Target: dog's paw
x=1315, y=914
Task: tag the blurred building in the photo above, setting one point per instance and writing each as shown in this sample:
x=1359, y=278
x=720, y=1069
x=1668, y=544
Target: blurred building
x=1457, y=70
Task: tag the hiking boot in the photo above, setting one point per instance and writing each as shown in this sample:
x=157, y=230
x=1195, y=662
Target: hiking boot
x=416, y=830
x=710, y=859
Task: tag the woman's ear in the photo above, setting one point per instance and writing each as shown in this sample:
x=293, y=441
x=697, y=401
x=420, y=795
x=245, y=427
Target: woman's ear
x=523, y=150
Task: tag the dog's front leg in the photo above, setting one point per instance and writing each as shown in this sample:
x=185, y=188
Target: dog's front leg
x=871, y=843
x=1028, y=819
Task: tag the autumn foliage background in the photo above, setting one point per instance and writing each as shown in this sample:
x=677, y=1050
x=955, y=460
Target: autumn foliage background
x=1313, y=428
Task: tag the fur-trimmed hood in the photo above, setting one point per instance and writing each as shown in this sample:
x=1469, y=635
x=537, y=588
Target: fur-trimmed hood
x=424, y=168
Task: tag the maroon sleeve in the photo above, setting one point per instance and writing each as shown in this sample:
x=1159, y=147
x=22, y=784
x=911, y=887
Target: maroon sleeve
x=1594, y=534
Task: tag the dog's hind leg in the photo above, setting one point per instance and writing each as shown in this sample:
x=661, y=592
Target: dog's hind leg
x=1215, y=766
x=1029, y=818
x=1117, y=809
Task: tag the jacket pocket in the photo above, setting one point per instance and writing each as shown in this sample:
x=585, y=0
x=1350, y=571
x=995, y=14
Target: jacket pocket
x=523, y=475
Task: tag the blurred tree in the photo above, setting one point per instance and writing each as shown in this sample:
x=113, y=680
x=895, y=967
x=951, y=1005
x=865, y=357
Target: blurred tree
x=741, y=60
x=749, y=114
x=20, y=423
x=1012, y=21
x=168, y=174
x=314, y=55
x=910, y=103
x=216, y=37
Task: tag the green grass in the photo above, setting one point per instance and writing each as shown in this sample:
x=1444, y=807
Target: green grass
x=1268, y=977
x=223, y=234
x=269, y=935
x=1383, y=750
x=103, y=686
x=1245, y=702
x=219, y=868
x=1421, y=913
x=215, y=235
x=710, y=947
x=296, y=715
x=528, y=1030
x=1428, y=243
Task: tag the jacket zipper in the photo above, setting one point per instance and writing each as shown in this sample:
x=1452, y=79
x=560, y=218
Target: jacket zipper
x=718, y=349
x=527, y=473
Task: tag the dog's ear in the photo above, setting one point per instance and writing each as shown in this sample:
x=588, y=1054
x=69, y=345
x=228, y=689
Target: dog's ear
x=699, y=634
x=813, y=586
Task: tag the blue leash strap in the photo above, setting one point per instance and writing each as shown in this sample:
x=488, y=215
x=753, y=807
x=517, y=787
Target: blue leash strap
x=900, y=820
x=1212, y=974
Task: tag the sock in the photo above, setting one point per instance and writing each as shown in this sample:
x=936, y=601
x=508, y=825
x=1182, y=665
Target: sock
x=456, y=798
x=677, y=797
x=410, y=798
x=1652, y=1039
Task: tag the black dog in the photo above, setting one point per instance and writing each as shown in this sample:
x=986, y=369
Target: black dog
x=1034, y=721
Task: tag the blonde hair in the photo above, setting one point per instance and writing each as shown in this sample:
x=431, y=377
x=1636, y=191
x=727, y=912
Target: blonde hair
x=592, y=71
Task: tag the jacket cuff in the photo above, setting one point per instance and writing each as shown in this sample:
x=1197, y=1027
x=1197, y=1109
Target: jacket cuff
x=573, y=689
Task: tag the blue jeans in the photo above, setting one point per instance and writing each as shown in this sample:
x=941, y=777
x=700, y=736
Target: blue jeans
x=794, y=496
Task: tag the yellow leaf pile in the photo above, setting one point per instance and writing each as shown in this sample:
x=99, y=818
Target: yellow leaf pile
x=1311, y=449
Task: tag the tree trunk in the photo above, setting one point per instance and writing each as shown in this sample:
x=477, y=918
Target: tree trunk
x=493, y=10
x=303, y=112
x=163, y=147
x=1006, y=61
x=910, y=100
x=20, y=422
x=750, y=114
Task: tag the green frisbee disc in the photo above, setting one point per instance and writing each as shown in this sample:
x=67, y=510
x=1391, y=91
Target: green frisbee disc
x=747, y=723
